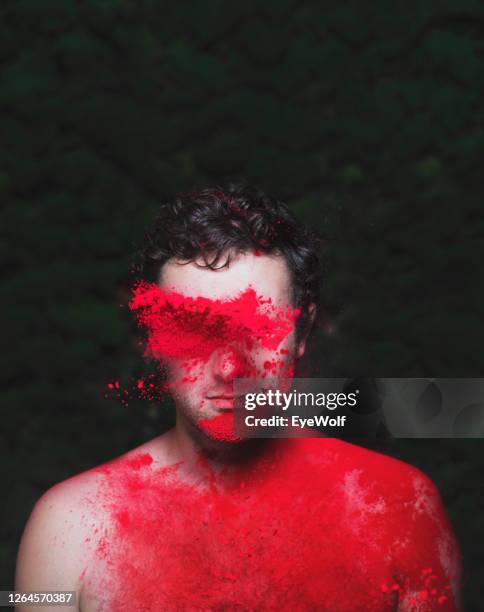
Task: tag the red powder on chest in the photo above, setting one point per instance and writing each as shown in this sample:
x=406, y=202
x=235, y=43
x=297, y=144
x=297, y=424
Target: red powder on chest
x=305, y=530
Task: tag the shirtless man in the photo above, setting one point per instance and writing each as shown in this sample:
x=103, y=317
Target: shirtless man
x=198, y=519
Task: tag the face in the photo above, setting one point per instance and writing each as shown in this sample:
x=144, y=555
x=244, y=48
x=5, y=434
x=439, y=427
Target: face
x=233, y=322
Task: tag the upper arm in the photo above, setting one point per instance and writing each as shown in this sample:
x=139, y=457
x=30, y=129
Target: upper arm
x=428, y=557
x=49, y=555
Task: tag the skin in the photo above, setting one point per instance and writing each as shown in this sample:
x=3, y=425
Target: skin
x=327, y=525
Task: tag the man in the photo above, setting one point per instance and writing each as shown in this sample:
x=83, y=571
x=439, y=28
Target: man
x=199, y=519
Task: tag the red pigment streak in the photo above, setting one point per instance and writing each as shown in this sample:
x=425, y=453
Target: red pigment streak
x=193, y=328
x=313, y=524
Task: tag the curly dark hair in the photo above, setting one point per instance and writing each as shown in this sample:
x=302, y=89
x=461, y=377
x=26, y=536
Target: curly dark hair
x=215, y=223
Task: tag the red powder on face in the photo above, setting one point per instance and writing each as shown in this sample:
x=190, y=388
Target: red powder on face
x=191, y=331
x=220, y=427
x=311, y=525
x=193, y=328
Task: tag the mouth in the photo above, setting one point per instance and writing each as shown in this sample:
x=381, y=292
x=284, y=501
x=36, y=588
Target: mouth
x=223, y=402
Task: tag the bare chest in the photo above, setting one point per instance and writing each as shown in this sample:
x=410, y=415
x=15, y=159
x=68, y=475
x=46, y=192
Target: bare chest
x=247, y=551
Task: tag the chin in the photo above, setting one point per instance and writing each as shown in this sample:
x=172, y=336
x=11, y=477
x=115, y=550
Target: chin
x=219, y=428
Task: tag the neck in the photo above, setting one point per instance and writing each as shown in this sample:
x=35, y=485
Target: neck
x=203, y=458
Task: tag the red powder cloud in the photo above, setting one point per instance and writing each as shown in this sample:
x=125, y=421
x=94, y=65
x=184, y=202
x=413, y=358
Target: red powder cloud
x=193, y=328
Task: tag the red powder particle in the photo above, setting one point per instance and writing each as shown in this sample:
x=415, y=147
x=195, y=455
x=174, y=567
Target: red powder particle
x=142, y=388
x=102, y=548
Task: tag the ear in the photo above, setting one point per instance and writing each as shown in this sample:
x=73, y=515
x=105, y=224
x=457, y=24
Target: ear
x=301, y=345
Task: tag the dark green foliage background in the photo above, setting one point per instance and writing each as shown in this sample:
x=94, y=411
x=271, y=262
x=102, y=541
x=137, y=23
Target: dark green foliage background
x=367, y=117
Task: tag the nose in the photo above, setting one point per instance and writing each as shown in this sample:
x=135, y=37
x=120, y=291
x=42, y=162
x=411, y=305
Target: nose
x=229, y=363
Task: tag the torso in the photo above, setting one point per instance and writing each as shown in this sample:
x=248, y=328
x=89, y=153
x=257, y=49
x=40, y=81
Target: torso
x=316, y=527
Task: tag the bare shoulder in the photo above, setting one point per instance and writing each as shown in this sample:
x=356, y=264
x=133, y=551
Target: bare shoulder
x=407, y=516
x=391, y=476
x=345, y=461
x=55, y=544
x=403, y=490
x=55, y=531
x=68, y=522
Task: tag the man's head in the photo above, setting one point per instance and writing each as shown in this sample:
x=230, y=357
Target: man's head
x=244, y=276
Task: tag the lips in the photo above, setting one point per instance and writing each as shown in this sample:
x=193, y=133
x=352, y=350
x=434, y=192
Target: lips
x=224, y=395
x=223, y=402
x=212, y=397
